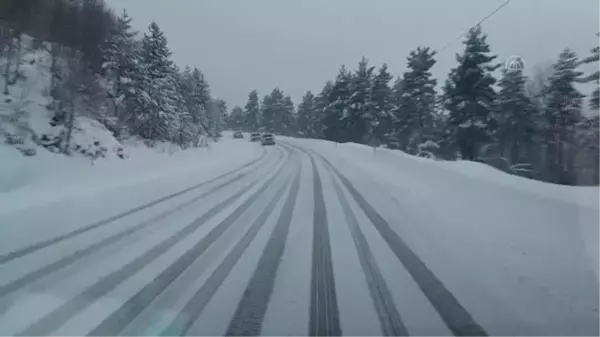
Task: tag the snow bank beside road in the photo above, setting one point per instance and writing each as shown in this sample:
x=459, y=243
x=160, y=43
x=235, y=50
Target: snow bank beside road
x=47, y=177
x=510, y=249
x=402, y=170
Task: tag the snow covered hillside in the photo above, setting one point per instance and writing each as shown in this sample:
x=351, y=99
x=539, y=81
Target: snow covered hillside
x=33, y=168
x=26, y=115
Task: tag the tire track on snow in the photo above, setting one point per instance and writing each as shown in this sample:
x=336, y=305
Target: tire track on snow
x=389, y=317
x=118, y=319
x=77, y=255
x=43, y=244
x=193, y=309
x=454, y=315
x=250, y=312
x=324, y=313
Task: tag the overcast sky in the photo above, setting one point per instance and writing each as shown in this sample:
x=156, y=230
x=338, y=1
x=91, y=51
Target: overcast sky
x=298, y=45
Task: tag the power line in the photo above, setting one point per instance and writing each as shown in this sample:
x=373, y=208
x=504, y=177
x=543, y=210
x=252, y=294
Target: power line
x=475, y=25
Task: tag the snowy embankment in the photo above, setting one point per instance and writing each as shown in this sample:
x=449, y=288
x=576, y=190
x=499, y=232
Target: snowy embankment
x=404, y=170
x=533, y=245
x=33, y=174
x=50, y=178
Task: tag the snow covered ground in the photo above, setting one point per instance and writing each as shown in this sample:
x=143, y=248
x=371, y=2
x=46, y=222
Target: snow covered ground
x=531, y=248
x=48, y=177
x=306, y=237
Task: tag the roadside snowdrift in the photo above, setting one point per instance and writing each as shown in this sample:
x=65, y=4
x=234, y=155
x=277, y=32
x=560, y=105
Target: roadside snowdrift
x=47, y=177
x=404, y=170
x=511, y=249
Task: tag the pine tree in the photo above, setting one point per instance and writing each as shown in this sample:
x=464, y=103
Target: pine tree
x=516, y=118
x=219, y=117
x=185, y=87
x=307, y=116
x=590, y=132
x=589, y=144
x=337, y=108
x=537, y=84
x=562, y=114
x=187, y=134
x=469, y=96
x=361, y=111
x=381, y=96
x=594, y=77
x=267, y=114
x=201, y=94
x=120, y=69
x=191, y=109
x=197, y=96
x=18, y=14
x=273, y=112
x=252, y=113
x=396, y=138
x=321, y=106
x=236, y=120
x=416, y=104
x=157, y=97
x=536, y=90
x=288, y=117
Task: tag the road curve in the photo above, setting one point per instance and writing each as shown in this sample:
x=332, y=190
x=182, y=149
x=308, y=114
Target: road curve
x=218, y=259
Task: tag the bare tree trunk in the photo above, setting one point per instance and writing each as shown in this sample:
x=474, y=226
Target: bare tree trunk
x=18, y=58
x=596, y=157
x=54, y=72
x=117, y=102
x=70, y=121
x=5, y=34
x=559, y=157
x=7, y=66
x=514, y=149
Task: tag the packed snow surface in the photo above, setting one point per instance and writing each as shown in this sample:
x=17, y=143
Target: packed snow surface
x=511, y=255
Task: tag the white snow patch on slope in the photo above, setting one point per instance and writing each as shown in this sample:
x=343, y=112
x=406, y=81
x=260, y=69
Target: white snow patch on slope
x=30, y=94
x=24, y=114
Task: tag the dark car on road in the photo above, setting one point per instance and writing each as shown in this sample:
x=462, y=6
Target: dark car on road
x=254, y=137
x=238, y=135
x=267, y=139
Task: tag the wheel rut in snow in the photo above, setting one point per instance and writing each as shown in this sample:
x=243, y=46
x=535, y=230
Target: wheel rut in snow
x=77, y=255
x=184, y=320
x=387, y=313
x=133, y=307
x=249, y=315
x=454, y=315
x=43, y=244
x=323, y=311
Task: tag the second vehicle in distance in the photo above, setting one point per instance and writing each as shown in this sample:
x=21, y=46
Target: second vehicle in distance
x=267, y=139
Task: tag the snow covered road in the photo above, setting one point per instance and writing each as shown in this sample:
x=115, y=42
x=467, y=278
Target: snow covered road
x=290, y=243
